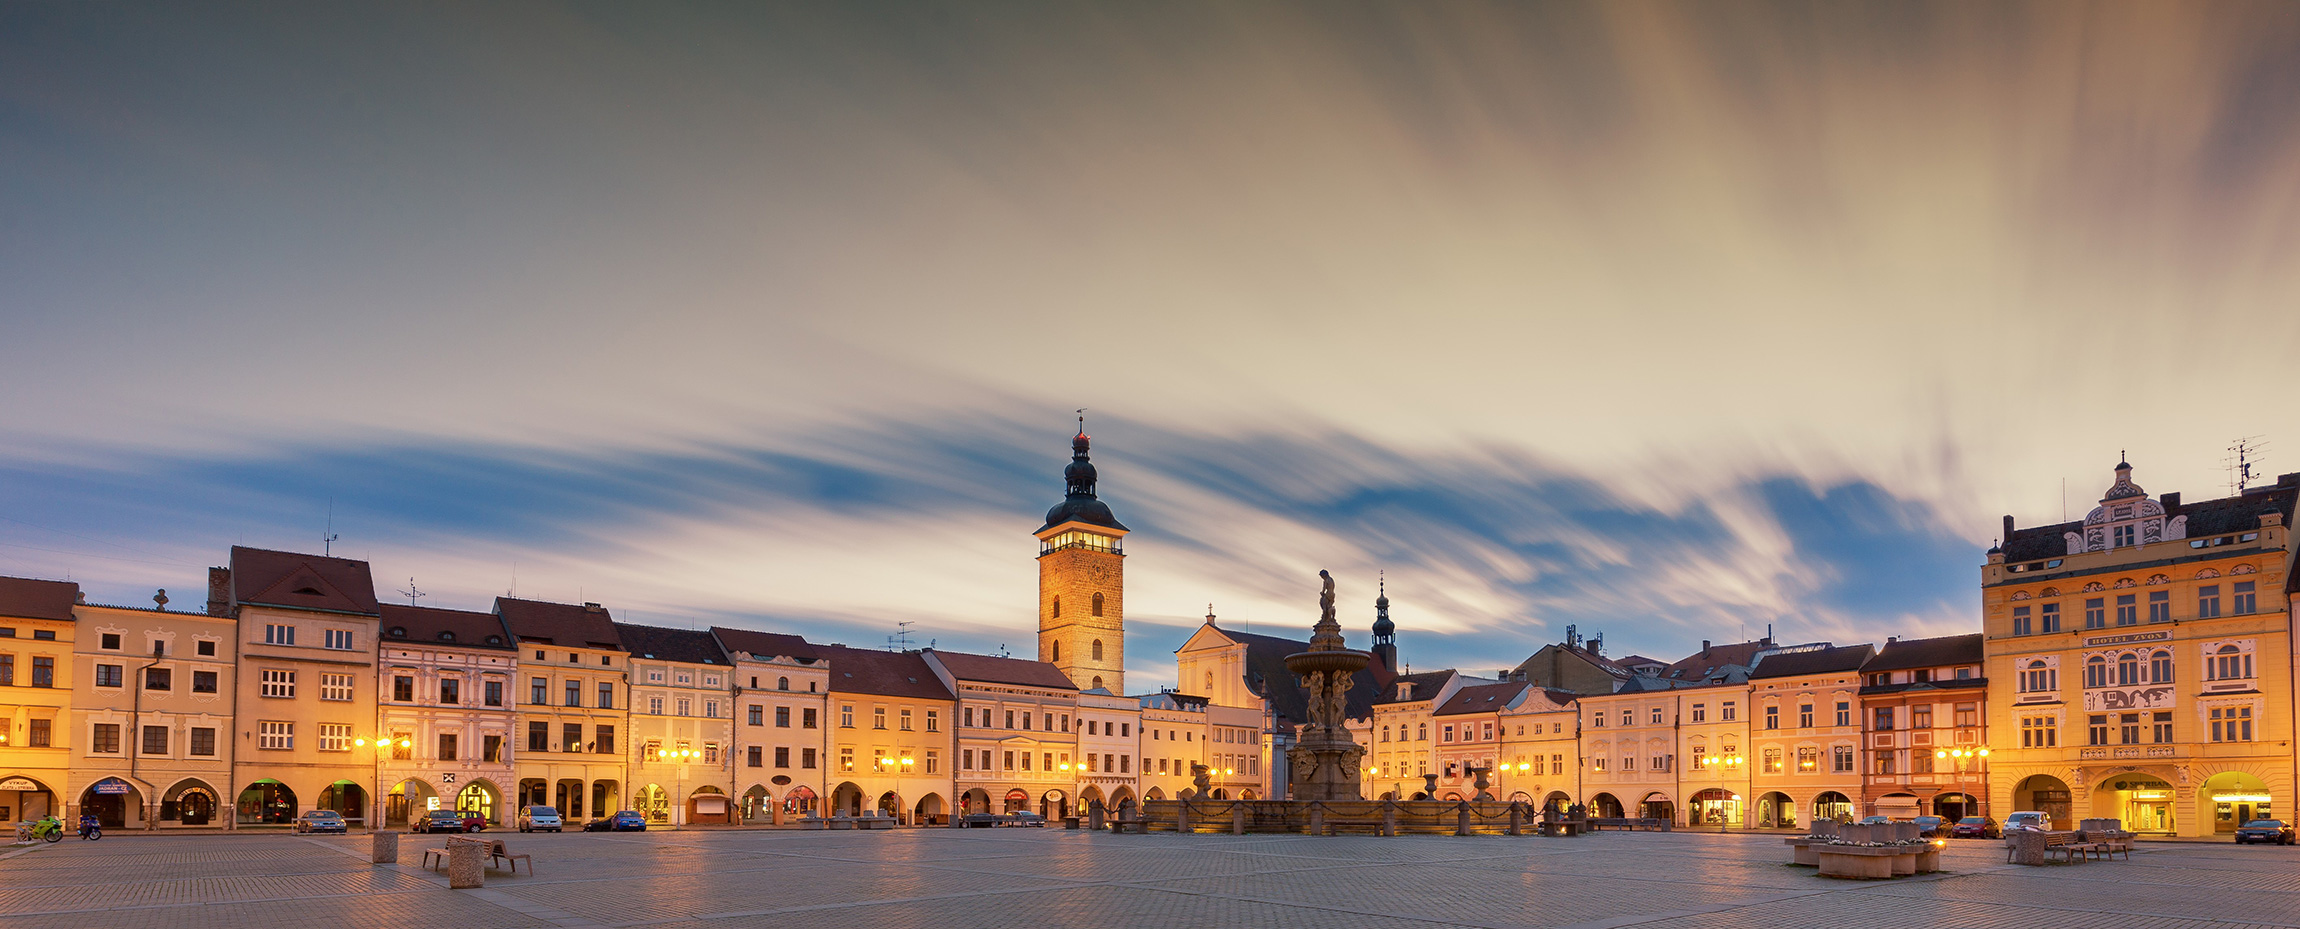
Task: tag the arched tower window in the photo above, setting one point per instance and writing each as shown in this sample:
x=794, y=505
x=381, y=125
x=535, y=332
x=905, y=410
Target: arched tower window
x=1058, y=608
x=1098, y=604
x=782, y=683
x=1098, y=651
x=1097, y=683
x=1057, y=652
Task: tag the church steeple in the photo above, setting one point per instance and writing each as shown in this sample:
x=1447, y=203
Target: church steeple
x=1385, y=647
x=1081, y=580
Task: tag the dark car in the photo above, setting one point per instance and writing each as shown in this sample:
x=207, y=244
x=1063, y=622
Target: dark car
x=628, y=821
x=602, y=824
x=1929, y=826
x=1875, y=820
x=1974, y=827
x=321, y=821
x=437, y=821
x=2271, y=831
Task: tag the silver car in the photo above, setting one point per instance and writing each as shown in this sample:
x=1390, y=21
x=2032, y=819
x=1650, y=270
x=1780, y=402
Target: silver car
x=538, y=819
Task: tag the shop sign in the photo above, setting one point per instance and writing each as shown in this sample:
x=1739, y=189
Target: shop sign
x=20, y=783
x=2128, y=639
x=2114, y=699
x=111, y=785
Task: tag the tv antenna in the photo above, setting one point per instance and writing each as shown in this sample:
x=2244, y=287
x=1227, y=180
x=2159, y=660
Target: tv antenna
x=327, y=538
x=2242, y=456
x=412, y=592
x=900, y=640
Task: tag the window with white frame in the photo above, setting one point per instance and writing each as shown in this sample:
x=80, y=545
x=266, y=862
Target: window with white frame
x=279, y=634
x=334, y=687
x=278, y=683
x=339, y=639
x=275, y=734
x=335, y=737
x=2228, y=661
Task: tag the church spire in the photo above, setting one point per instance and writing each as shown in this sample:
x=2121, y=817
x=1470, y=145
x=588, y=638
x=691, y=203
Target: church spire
x=1385, y=644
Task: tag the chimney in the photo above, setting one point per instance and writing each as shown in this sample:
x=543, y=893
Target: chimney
x=1892, y=639
x=589, y=607
x=2171, y=503
x=2008, y=528
x=1704, y=648
x=219, y=591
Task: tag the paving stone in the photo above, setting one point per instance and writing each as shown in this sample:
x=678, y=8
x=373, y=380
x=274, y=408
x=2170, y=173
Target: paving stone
x=1015, y=878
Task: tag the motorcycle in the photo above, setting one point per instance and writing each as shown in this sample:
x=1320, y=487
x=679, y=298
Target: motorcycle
x=91, y=830
x=48, y=830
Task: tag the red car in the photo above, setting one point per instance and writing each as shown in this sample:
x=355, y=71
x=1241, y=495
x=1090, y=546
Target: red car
x=473, y=821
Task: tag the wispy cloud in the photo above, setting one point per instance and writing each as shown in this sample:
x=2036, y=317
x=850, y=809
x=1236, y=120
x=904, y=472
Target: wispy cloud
x=840, y=533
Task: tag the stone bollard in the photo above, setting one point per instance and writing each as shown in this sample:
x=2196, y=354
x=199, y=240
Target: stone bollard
x=1237, y=819
x=1094, y=815
x=384, y=848
x=1182, y=819
x=1317, y=818
x=466, y=865
x=1390, y=817
x=2027, y=846
x=1461, y=819
x=1517, y=817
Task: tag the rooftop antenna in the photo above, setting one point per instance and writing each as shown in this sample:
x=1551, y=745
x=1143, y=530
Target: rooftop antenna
x=327, y=539
x=1002, y=650
x=412, y=592
x=2242, y=455
x=900, y=640
x=1081, y=420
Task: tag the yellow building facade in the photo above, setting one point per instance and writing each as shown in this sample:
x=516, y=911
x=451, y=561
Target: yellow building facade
x=1805, y=736
x=305, y=699
x=2141, y=661
x=573, y=713
x=887, y=707
x=158, y=687
x=37, y=678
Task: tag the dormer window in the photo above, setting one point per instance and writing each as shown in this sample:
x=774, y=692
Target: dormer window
x=446, y=636
x=398, y=632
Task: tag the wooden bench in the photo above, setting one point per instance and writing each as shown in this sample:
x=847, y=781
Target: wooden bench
x=2070, y=846
x=2108, y=843
x=439, y=855
x=496, y=851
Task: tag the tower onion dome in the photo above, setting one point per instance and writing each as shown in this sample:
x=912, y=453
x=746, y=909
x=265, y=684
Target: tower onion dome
x=1080, y=506
x=1382, y=624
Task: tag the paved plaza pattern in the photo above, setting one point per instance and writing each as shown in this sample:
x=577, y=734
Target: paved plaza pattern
x=1008, y=878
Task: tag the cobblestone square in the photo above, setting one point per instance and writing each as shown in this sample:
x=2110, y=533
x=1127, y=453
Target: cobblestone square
x=1011, y=878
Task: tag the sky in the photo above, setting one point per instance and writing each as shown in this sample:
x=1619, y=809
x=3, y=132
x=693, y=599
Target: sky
x=1667, y=321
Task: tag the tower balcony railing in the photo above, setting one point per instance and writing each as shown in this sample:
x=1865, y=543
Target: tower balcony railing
x=1071, y=540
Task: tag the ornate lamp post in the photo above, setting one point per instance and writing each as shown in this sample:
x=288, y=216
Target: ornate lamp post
x=1963, y=758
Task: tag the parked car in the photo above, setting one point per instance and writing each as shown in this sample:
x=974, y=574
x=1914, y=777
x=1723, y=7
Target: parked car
x=1930, y=826
x=437, y=821
x=602, y=824
x=2271, y=831
x=628, y=821
x=538, y=819
x=321, y=821
x=1974, y=827
x=473, y=821
x=2029, y=822
x=1875, y=820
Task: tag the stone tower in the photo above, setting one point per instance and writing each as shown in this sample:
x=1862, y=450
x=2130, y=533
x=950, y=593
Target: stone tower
x=1385, y=632
x=1082, y=582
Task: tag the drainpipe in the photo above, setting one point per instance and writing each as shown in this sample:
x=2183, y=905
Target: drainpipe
x=135, y=739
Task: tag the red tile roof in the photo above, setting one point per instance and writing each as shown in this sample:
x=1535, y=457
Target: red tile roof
x=35, y=599
x=991, y=669
x=427, y=625
x=567, y=625
x=764, y=644
x=302, y=582
x=886, y=674
x=1482, y=698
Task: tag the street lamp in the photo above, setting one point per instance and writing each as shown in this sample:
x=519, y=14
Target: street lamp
x=1961, y=757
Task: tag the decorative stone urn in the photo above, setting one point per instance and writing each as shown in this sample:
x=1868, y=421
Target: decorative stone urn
x=1324, y=761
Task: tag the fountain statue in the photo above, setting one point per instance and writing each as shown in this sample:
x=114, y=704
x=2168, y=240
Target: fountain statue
x=1324, y=760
